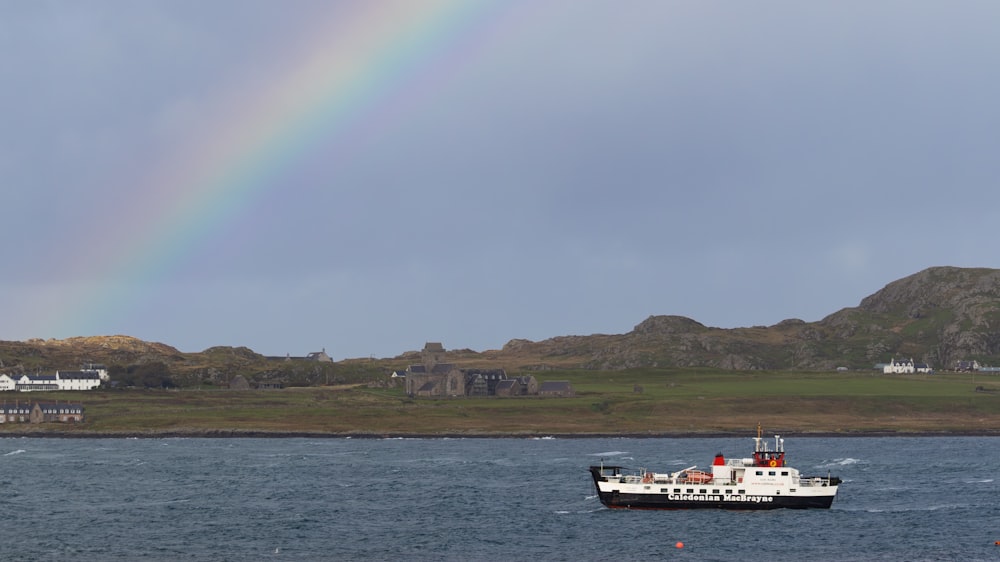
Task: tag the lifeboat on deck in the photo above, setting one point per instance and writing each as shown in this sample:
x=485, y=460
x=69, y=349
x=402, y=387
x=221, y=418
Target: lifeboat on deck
x=695, y=477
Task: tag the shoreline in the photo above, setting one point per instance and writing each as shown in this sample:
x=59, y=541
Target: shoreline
x=255, y=434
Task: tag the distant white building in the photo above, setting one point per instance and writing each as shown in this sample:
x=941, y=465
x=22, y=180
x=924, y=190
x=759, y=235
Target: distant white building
x=78, y=380
x=904, y=366
x=901, y=366
x=87, y=379
x=34, y=383
x=101, y=370
x=7, y=383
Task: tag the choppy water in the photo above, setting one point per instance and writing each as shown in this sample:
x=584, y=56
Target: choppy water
x=476, y=499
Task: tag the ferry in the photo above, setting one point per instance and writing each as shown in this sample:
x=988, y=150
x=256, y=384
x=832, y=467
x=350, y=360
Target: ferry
x=762, y=481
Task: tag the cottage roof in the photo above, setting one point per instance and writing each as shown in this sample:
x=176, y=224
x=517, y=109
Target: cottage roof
x=427, y=387
x=319, y=356
x=442, y=368
x=555, y=386
x=46, y=407
x=78, y=375
x=506, y=384
x=55, y=407
x=416, y=369
x=489, y=374
x=15, y=408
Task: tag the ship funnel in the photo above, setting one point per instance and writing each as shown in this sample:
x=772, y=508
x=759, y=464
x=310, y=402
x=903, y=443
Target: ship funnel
x=719, y=460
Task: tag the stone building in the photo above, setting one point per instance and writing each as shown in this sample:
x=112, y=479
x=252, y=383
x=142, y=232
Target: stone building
x=41, y=412
x=509, y=387
x=556, y=388
x=483, y=382
x=440, y=379
x=239, y=382
x=528, y=385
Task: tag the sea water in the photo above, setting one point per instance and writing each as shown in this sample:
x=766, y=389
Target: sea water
x=477, y=499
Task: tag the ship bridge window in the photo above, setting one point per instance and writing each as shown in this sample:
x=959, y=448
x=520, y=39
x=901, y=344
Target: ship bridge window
x=703, y=491
x=715, y=491
x=677, y=490
x=784, y=473
x=741, y=491
x=690, y=490
x=771, y=473
x=760, y=473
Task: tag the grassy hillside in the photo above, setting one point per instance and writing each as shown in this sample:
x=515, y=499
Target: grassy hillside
x=670, y=402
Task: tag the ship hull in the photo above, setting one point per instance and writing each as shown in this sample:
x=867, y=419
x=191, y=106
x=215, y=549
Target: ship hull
x=708, y=501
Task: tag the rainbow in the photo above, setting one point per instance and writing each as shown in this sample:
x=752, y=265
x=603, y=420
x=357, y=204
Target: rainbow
x=353, y=74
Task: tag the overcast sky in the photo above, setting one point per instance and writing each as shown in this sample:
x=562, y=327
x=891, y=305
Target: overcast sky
x=511, y=170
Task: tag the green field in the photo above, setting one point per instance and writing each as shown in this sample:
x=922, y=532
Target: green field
x=670, y=402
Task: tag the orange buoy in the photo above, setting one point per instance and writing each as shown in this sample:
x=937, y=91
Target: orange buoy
x=681, y=545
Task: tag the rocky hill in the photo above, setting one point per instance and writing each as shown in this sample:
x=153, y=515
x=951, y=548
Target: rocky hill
x=939, y=316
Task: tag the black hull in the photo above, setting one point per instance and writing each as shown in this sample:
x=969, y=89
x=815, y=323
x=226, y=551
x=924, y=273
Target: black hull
x=662, y=501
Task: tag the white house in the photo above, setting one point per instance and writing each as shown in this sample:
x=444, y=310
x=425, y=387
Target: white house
x=98, y=368
x=62, y=380
x=7, y=383
x=32, y=383
x=904, y=366
x=78, y=380
x=899, y=367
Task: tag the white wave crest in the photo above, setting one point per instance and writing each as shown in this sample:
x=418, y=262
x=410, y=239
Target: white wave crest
x=839, y=462
x=17, y=452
